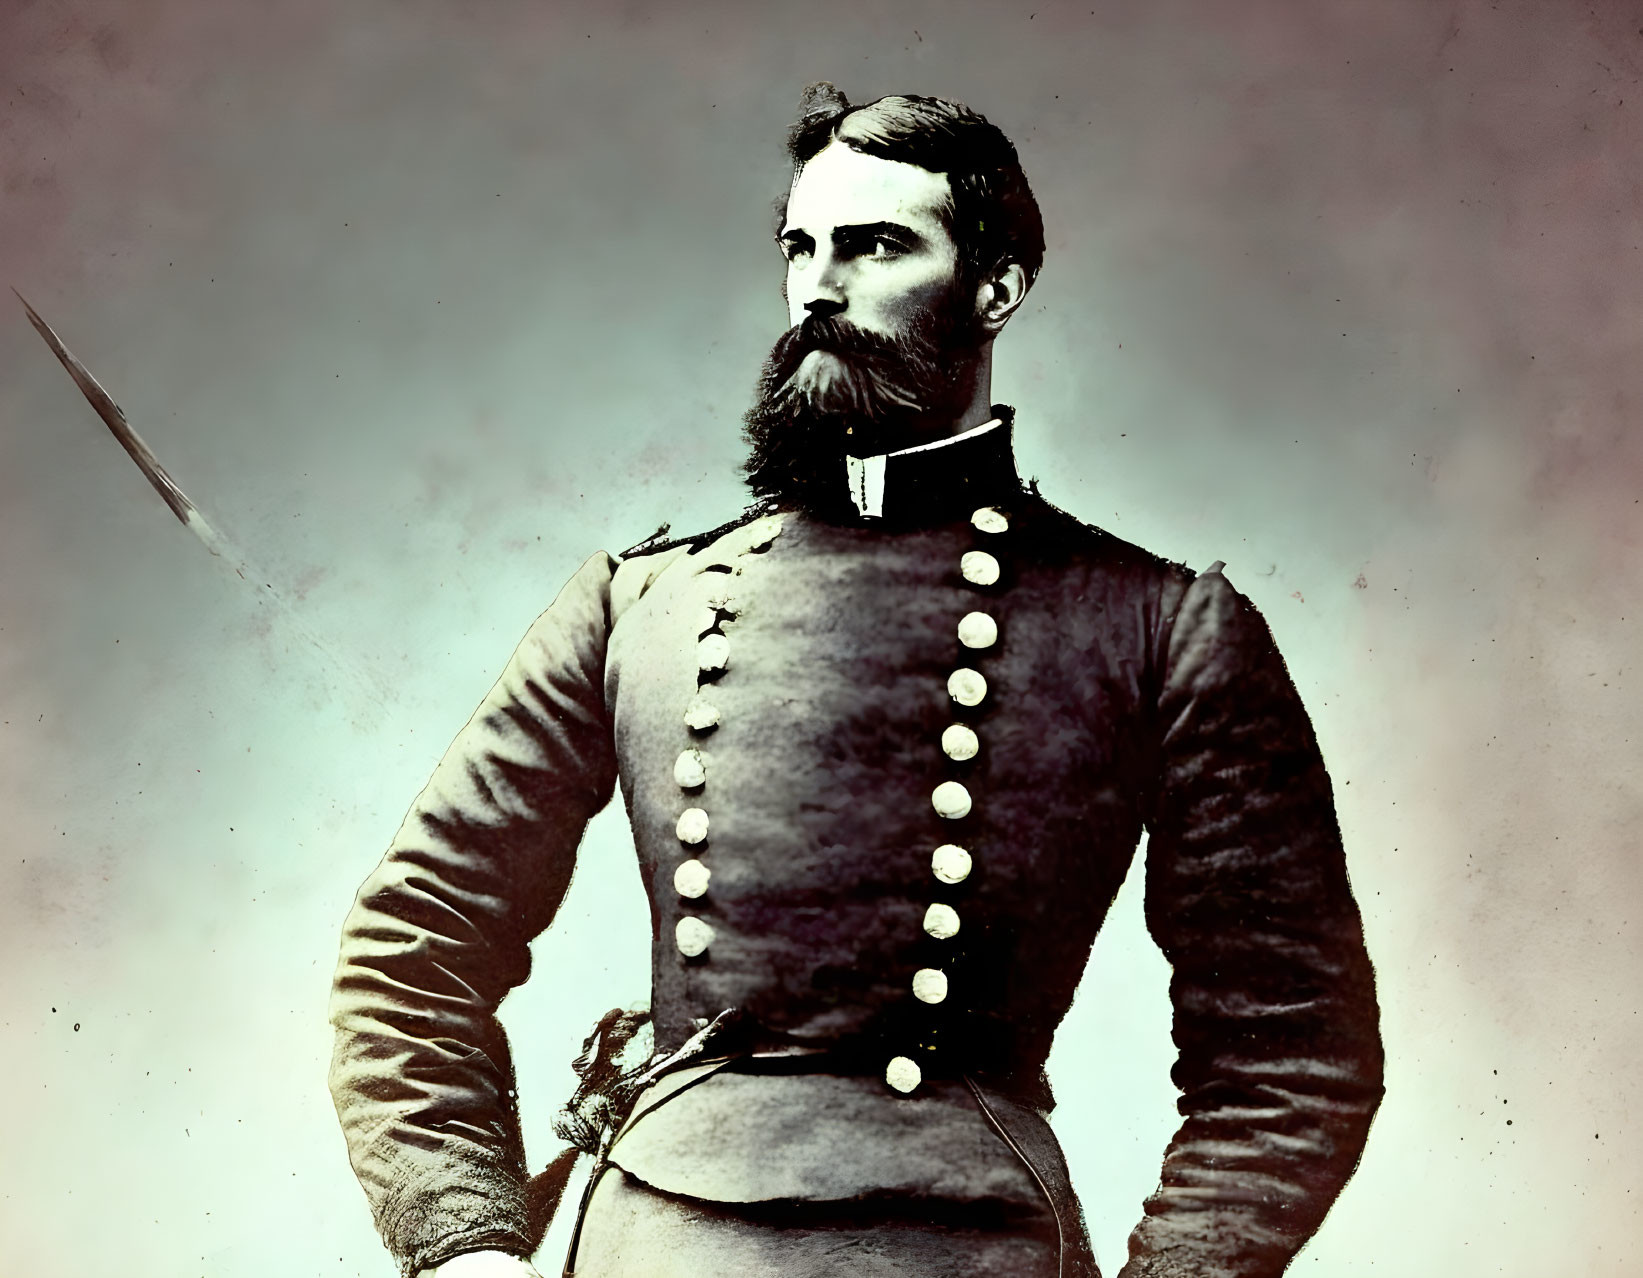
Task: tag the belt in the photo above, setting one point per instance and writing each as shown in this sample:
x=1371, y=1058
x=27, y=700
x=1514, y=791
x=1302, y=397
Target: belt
x=609, y=1095
x=1020, y=1130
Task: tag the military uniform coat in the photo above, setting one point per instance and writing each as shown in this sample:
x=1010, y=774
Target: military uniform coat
x=885, y=777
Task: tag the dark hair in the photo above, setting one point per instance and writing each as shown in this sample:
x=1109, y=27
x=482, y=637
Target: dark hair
x=991, y=214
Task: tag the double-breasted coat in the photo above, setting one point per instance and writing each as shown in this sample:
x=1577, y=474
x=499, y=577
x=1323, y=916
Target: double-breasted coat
x=885, y=776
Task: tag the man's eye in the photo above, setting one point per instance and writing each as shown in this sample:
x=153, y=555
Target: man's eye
x=794, y=250
x=883, y=247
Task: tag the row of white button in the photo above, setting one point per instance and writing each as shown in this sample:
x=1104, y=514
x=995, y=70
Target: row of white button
x=692, y=876
x=951, y=799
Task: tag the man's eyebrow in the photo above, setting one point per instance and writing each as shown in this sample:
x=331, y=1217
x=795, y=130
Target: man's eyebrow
x=859, y=230
x=855, y=231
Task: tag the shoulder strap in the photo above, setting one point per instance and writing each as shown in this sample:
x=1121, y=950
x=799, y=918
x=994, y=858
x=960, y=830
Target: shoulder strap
x=658, y=541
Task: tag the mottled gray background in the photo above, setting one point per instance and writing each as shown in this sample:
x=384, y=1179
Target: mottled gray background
x=424, y=301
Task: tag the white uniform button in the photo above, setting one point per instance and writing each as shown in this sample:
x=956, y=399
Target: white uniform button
x=689, y=770
x=712, y=653
x=941, y=922
x=692, y=827
x=989, y=519
x=692, y=936
x=701, y=714
x=903, y=1074
x=967, y=687
x=951, y=800
x=949, y=863
x=979, y=568
x=977, y=630
x=929, y=985
x=960, y=742
x=690, y=879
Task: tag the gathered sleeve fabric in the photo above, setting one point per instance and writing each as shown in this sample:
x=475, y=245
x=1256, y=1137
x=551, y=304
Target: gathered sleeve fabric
x=440, y=932
x=1276, y=1024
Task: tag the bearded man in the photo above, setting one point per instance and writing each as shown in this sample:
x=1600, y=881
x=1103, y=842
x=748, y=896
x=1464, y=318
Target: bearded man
x=887, y=743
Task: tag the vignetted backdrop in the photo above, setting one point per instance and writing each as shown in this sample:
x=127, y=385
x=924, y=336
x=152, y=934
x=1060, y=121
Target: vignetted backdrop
x=423, y=302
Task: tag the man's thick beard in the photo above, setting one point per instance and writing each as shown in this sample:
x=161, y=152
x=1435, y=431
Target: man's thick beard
x=861, y=394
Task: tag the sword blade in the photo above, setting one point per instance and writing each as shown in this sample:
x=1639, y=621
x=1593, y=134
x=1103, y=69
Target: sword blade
x=115, y=420
x=363, y=687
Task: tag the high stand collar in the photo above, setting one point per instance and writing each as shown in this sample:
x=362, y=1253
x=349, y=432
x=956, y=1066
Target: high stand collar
x=931, y=483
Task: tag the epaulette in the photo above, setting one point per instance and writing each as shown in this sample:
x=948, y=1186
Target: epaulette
x=659, y=541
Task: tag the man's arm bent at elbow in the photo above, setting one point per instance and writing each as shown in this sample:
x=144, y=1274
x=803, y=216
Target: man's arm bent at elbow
x=440, y=932
x=1275, y=1012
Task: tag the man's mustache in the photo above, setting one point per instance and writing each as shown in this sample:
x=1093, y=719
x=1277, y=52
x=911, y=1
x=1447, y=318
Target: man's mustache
x=874, y=374
x=833, y=336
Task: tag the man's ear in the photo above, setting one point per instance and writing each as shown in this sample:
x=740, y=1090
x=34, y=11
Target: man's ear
x=998, y=295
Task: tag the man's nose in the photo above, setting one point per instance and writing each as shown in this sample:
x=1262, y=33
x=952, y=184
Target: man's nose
x=820, y=292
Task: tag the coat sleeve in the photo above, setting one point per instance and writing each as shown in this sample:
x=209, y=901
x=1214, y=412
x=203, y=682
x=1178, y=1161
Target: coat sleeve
x=1276, y=1025
x=439, y=933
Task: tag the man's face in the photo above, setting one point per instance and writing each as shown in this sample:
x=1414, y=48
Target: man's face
x=882, y=349
x=864, y=240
